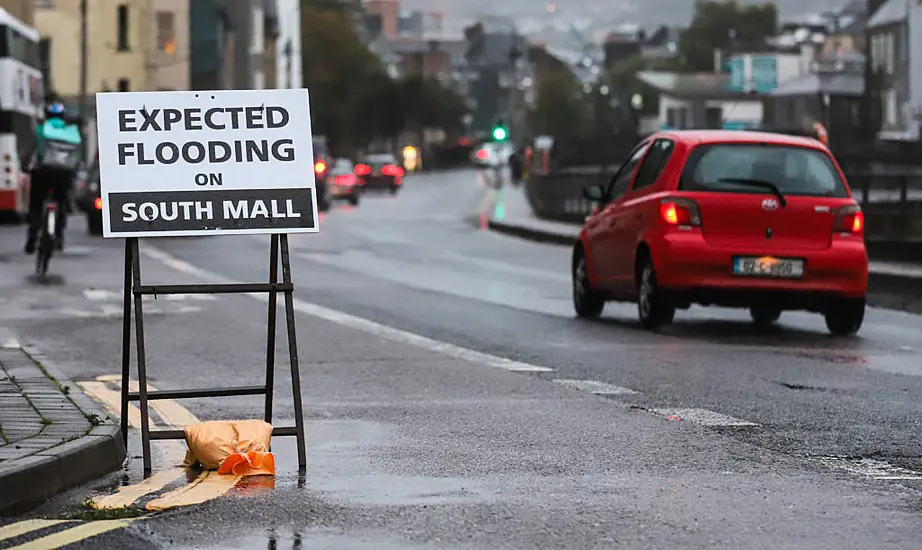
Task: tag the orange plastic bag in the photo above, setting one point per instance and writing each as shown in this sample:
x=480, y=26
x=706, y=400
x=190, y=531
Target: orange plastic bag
x=253, y=463
x=212, y=443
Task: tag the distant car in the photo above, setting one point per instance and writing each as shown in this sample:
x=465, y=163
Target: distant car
x=729, y=218
x=381, y=171
x=87, y=197
x=321, y=175
x=493, y=154
x=344, y=183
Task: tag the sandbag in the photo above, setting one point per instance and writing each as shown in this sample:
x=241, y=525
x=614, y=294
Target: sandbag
x=211, y=443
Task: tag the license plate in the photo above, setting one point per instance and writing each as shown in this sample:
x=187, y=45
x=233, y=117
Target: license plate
x=338, y=191
x=767, y=266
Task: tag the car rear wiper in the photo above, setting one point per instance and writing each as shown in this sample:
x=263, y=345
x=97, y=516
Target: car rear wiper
x=758, y=183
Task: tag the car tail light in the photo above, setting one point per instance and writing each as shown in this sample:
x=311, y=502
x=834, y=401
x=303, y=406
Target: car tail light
x=391, y=170
x=346, y=180
x=680, y=212
x=98, y=204
x=850, y=219
x=483, y=154
x=320, y=167
x=362, y=170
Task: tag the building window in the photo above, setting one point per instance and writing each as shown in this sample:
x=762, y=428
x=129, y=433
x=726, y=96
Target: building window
x=124, y=85
x=122, y=28
x=166, y=32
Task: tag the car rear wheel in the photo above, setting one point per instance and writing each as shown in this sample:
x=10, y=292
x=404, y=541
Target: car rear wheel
x=764, y=316
x=354, y=200
x=846, y=317
x=588, y=304
x=394, y=189
x=653, y=309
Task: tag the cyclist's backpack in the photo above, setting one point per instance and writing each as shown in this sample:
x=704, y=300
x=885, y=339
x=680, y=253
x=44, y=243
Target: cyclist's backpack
x=59, y=145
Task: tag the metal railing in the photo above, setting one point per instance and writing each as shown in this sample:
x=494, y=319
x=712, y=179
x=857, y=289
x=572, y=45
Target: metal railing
x=892, y=202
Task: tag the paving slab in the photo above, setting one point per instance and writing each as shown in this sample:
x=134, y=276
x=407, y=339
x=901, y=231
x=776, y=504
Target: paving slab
x=48, y=443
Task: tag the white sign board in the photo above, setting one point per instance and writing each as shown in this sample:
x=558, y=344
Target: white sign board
x=204, y=163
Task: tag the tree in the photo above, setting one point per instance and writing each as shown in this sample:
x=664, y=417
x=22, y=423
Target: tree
x=722, y=25
x=428, y=104
x=560, y=107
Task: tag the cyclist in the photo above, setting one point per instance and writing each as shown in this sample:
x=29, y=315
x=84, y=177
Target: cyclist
x=53, y=169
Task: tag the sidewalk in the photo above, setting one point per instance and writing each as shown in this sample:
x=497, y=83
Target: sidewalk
x=52, y=437
x=890, y=283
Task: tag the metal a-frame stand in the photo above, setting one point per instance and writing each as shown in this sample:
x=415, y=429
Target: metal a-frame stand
x=135, y=291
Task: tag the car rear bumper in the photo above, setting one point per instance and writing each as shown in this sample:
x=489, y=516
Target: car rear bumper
x=686, y=264
x=380, y=182
x=343, y=191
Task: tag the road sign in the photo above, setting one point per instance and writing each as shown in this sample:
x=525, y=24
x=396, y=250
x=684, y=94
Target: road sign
x=203, y=163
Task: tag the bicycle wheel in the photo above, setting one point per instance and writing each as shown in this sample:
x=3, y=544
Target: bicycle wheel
x=45, y=247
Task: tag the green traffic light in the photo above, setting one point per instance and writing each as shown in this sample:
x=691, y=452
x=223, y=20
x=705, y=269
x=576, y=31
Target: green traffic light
x=499, y=133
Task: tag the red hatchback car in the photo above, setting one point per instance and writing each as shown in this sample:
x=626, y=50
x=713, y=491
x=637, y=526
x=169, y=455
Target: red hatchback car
x=729, y=218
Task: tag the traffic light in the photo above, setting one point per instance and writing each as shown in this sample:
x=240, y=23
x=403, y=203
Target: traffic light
x=500, y=133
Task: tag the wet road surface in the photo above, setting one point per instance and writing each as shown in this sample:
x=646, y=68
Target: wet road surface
x=454, y=402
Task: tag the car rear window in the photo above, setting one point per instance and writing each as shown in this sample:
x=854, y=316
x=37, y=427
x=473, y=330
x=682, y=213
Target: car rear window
x=793, y=170
x=379, y=161
x=343, y=166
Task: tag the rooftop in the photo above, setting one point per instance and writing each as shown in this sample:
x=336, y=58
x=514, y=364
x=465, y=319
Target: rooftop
x=692, y=85
x=892, y=12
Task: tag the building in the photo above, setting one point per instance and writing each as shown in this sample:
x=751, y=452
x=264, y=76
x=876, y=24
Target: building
x=118, y=45
x=761, y=72
x=494, y=68
x=889, y=50
x=915, y=67
x=288, y=45
x=700, y=101
x=662, y=43
x=24, y=10
x=256, y=28
x=211, y=47
x=234, y=44
x=169, y=57
x=625, y=42
x=831, y=94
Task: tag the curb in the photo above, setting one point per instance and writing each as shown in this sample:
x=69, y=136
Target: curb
x=32, y=480
x=530, y=234
x=885, y=290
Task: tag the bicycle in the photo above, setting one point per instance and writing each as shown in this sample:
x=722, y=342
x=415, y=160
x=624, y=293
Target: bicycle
x=47, y=239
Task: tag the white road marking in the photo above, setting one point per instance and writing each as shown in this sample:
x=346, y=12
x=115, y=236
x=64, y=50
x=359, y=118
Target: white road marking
x=868, y=467
x=595, y=387
x=359, y=323
x=101, y=295
x=702, y=417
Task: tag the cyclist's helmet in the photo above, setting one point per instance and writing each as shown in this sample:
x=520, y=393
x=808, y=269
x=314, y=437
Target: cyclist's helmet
x=55, y=109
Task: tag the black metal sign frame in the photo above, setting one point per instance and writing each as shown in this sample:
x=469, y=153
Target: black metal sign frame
x=134, y=291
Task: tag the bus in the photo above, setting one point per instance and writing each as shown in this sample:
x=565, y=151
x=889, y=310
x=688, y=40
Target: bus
x=22, y=106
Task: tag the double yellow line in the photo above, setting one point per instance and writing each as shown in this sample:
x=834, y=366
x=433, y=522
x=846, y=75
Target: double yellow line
x=207, y=486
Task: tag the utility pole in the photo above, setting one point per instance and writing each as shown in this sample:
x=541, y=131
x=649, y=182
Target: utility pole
x=82, y=108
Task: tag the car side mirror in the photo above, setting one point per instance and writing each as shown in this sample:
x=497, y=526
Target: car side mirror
x=594, y=193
